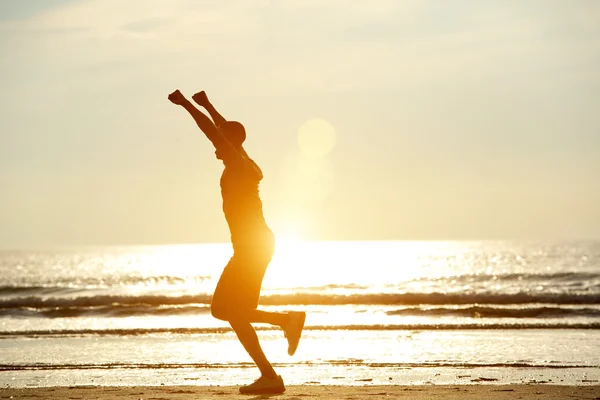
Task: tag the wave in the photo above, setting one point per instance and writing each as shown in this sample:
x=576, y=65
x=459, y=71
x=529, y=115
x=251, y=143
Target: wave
x=38, y=290
x=111, y=311
x=67, y=284
x=102, y=300
x=563, y=276
x=497, y=312
x=221, y=330
x=434, y=298
x=406, y=299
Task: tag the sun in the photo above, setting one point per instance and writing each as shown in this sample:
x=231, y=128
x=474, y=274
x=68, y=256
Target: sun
x=289, y=235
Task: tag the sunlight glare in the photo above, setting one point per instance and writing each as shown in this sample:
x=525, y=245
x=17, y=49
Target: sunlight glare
x=311, y=265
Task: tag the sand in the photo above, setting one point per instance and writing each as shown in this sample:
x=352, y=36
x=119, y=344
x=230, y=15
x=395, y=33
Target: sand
x=422, y=392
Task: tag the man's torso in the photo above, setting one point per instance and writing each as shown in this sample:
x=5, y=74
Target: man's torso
x=242, y=205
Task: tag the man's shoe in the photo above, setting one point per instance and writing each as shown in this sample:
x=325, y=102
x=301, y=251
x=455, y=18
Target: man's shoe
x=293, y=330
x=264, y=385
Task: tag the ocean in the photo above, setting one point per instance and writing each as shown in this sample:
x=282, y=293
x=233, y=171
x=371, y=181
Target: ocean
x=378, y=312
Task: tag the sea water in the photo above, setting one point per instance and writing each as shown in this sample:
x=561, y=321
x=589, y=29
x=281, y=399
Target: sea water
x=377, y=312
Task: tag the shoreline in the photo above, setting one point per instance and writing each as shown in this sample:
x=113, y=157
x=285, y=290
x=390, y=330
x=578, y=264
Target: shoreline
x=420, y=392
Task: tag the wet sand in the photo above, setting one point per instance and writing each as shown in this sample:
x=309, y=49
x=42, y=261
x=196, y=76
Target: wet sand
x=422, y=392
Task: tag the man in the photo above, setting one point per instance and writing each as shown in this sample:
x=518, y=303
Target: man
x=236, y=297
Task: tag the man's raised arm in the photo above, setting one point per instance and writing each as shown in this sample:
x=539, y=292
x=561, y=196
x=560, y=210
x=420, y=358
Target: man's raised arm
x=203, y=122
x=202, y=100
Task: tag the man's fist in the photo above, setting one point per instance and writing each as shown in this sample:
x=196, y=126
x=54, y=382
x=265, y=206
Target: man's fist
x=201, y=98
x=177, y=98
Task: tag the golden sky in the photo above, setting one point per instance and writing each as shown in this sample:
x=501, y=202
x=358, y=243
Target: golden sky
x=371, y=120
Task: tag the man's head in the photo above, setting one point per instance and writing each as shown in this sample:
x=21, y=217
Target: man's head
x=234, y=132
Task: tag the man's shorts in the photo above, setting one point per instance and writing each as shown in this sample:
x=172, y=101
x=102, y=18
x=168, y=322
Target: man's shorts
x=239, y=285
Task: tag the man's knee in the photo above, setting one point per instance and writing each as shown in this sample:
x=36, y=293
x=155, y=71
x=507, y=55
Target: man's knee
x=220, y=311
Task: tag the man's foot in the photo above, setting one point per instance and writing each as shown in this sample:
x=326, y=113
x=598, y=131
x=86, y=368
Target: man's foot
x=293, y=330
x=264, y=385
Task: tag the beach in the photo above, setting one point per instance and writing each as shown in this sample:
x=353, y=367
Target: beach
x=500, y=392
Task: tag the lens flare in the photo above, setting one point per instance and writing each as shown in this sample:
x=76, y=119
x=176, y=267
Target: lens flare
x=316, y=138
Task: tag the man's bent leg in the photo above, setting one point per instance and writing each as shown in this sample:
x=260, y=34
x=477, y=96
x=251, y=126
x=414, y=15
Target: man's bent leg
x=226, y=313
x=268, y=317
x=249, y=339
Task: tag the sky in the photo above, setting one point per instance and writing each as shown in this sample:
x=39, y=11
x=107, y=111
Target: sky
x=379, y=120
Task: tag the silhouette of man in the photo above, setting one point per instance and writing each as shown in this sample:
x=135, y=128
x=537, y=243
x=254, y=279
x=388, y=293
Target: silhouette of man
x=237, y=293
